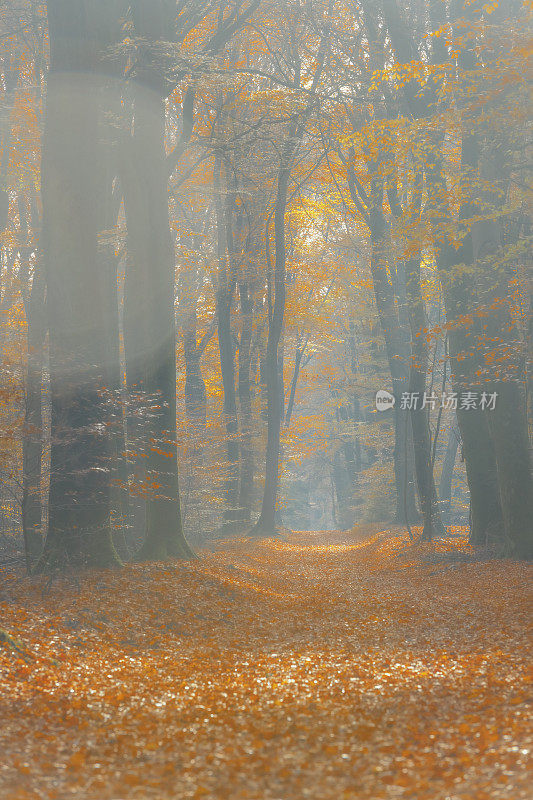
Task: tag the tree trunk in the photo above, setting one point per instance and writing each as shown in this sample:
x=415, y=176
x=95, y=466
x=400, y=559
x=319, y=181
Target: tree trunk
x=507, y=423
x=446, y=477
x=109, y=210
x=459, y=300
x=32, y=442
x=149, y=322
x=395, y=326
x=343, y=491
x=506, y=373
x=245, y=403
x=267, y=520
x=224, y=300
x=73, y=185
x=406, y=510
x=419, y=413
x=294, y=382
x=195, y=392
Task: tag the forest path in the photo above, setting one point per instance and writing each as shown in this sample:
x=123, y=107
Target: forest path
x=324, y=665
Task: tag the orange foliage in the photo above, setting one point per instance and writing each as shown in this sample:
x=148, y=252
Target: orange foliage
x=323, y=665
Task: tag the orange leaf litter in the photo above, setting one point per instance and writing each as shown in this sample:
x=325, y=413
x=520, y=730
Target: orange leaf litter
x=322, y=666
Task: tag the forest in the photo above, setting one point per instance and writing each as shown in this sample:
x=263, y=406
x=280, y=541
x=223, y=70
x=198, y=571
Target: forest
x=266, y=399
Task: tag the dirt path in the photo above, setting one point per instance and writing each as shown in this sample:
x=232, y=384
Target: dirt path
x=326, y=666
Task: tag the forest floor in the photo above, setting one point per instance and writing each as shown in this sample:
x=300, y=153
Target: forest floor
x=322, y=665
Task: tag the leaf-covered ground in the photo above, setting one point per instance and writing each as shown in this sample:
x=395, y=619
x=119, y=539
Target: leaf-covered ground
x=324, y=666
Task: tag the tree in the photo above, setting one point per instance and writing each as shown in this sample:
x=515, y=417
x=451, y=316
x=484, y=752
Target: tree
x=73, y=182
x=277, y=276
